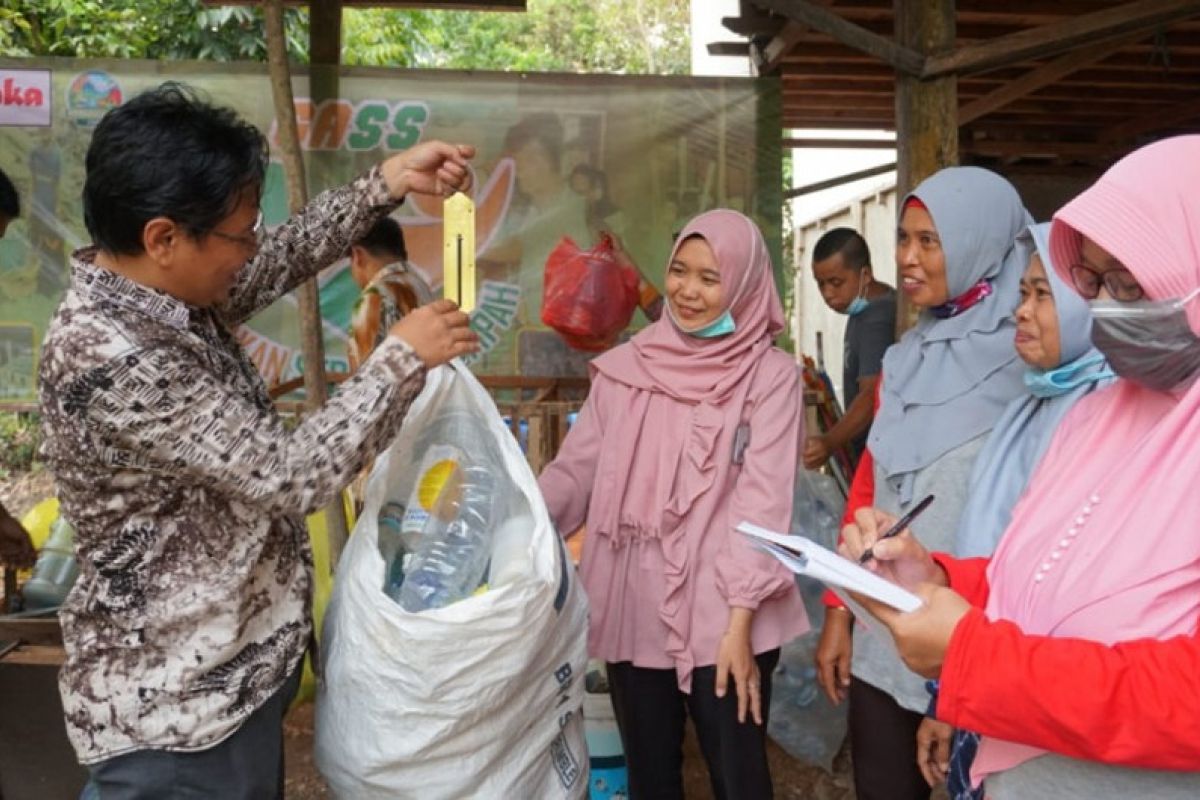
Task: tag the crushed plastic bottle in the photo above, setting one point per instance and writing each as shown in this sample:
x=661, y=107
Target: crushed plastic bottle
x=452, y=554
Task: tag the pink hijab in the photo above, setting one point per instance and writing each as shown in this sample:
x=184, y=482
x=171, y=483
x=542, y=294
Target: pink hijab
x=1096, y=549
x=687, y=396
x=663, y=358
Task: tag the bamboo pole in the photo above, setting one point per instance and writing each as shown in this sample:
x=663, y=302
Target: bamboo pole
x=311, y=336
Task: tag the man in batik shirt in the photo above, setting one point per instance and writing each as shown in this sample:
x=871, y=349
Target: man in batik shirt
x=186, y=629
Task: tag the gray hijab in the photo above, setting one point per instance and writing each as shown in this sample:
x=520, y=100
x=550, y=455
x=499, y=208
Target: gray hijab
x=1020, y=438
x=948, y=380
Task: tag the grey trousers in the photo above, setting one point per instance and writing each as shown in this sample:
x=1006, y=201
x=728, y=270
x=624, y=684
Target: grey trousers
x=246, y=766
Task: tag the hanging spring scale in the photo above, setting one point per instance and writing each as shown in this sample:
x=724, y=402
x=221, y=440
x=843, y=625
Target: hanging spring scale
x=458, y=250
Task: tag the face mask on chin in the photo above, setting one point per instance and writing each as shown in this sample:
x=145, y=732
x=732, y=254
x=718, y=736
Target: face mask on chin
x=859, y=303
x=1148, y=342
x=1059, y=380
x=720, y=326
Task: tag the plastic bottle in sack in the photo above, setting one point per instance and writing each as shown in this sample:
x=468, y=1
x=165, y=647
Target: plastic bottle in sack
x=437, y=452
x=453, y=551
x=55, y=571
x=392, y=547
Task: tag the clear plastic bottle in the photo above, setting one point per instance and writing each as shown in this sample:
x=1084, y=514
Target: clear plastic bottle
x=452, y=554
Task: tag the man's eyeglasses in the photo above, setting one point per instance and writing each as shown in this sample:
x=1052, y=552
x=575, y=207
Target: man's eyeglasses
x=252, y=239
x=1120, y=283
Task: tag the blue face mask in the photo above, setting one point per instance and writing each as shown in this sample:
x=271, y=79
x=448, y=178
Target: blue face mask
x=857, y=306
x=1065, y=377
x=720, y=326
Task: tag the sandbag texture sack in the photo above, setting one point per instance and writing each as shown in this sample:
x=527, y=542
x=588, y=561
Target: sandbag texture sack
x=481, y=698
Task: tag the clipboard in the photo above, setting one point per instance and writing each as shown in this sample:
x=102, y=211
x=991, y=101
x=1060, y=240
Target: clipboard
x=803, y=556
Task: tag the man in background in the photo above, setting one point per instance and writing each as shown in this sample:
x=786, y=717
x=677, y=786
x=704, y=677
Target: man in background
x=842, y=269
x=391, y=287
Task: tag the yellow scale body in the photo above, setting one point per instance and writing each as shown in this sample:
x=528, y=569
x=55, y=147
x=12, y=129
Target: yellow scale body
x=458, y=250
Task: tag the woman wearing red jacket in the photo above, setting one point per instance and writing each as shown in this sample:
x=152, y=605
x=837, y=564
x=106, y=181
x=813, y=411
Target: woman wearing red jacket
x=1074, y=650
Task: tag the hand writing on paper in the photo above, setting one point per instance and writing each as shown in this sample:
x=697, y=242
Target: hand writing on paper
x=900, y=559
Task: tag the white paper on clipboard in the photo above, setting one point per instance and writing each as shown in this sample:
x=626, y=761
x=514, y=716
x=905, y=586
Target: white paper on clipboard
x=806, y=557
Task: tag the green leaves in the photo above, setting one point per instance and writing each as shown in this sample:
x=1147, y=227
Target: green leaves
x=158, y=29
x=617, y=36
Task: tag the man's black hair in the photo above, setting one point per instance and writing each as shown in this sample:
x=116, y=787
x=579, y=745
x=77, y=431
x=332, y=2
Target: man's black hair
x=168, y=152
x=543, y=128
x=10, y=203
x=385, y=240
x=849, y=243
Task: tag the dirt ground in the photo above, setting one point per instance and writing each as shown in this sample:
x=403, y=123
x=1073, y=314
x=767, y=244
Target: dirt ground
x=793, y=780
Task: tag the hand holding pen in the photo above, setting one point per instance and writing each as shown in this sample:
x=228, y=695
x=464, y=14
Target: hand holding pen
x=899, y=525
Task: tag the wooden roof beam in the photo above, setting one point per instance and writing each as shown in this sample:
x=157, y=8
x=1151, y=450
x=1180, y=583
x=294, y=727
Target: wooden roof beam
x=1038, y=79
x=1009, y=148
x=819, y=18
x=1149, y=123
x=844, y=144
x=1118, y=22
x=769, y=57
x=728, y=48
x=839, y=180
x=753, y=24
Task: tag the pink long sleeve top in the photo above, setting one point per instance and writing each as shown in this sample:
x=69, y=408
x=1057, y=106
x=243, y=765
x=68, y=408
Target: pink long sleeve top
x=662, y=588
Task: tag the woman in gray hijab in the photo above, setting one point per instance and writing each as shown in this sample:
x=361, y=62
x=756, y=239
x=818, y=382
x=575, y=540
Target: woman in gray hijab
x=944, y=385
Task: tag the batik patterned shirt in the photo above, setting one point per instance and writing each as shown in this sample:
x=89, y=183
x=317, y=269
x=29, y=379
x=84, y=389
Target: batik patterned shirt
x=188, y=493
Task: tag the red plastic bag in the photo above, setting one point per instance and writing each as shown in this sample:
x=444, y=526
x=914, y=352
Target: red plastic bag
x=588, y=296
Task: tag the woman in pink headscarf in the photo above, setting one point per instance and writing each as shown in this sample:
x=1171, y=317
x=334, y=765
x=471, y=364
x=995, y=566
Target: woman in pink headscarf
x=689, y=429
x=1080, y=662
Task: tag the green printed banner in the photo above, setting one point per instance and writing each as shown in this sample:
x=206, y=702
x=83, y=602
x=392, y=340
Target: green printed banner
x=558, y=155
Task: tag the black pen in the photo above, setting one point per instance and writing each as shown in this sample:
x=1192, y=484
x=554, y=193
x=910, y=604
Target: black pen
x=900, y=525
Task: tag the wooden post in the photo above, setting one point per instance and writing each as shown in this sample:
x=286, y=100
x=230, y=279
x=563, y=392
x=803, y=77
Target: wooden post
x=311, y=335
x=926, y=110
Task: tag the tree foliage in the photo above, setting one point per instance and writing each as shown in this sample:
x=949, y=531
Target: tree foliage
x=158, y=29
x=617, y=36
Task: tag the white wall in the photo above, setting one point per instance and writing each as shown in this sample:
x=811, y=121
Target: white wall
x=707, y=27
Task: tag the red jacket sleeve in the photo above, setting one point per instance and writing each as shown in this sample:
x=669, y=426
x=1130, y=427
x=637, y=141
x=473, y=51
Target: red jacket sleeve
x=1133, y=704
x=862, y=493
x=968, y=576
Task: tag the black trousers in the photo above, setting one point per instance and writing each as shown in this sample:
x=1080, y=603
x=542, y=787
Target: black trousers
x=883, y=746
x=246, y=766
x=651, y=711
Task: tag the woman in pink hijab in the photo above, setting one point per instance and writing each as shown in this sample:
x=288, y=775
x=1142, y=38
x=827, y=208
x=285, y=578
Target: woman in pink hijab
x=1080, y=659
x=689, y=429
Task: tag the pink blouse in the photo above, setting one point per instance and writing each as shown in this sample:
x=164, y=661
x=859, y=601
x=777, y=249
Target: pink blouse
x=662, y=601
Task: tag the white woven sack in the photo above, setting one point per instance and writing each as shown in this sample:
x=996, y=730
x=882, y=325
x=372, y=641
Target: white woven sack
x=482, y=698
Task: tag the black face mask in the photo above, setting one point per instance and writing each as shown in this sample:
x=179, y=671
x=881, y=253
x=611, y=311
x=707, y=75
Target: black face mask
x=1148, y=342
